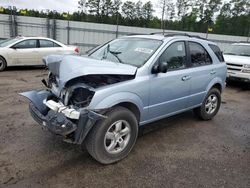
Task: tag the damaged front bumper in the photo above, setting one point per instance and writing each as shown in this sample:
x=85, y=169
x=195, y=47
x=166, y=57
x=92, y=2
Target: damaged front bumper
x=59, y=119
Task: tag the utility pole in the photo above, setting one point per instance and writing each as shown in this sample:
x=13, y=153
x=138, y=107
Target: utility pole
x=248, y=34
x=162, y=16
x=68, y=28
x=117, y=24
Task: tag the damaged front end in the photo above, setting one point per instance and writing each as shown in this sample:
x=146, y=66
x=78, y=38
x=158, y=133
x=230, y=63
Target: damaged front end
x=63, y=108
x=73, y=124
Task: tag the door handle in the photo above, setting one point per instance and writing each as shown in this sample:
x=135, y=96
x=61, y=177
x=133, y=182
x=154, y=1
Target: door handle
x=185, y=78
x=212, y=72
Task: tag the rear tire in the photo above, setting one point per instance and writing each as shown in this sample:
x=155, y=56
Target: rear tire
x=3, y=64
x=113, y=138
x=210, y=105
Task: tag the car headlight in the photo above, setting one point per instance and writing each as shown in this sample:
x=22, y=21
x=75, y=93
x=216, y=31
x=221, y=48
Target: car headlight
x=247, y=66
x=78, y=96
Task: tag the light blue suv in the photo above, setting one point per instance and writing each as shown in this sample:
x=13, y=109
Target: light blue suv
x=101, y=99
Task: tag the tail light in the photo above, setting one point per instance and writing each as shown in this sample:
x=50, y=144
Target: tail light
x=77, y=50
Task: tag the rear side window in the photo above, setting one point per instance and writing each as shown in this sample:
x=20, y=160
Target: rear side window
x=47, y=44
x=199, y=56
x=217, y=52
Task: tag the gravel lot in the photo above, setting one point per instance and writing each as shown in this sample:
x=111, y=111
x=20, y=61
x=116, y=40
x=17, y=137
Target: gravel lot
x=177, y=152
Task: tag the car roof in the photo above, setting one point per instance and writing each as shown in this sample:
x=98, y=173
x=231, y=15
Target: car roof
x=168, y=37
x=37, y=37
x=33, y=37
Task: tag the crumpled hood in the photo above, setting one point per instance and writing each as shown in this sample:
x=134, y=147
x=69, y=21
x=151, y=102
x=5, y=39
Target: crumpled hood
x=236, y=59
x=69, y=67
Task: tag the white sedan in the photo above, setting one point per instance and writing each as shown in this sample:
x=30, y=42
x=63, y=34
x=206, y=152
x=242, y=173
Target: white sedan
x=30, y=50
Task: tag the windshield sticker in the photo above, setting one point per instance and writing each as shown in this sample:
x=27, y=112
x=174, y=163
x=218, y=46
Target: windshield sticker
x=144, y=50
x=179, y=47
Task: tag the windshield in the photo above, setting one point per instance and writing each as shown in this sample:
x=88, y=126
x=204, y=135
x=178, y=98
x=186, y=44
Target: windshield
x=132, y=51
x=242, y=50
x=8, y=42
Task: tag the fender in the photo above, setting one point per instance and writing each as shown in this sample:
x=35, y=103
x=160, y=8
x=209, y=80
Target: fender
x=117, y=98
x=216, y=80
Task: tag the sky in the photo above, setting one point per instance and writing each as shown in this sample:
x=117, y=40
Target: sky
x=58, y=5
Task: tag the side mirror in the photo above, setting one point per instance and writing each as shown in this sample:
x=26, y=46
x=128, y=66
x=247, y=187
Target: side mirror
x=160, y=68
x=13, y=47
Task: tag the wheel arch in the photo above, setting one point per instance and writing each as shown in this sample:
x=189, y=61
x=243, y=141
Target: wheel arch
x=217, y=86
x=4, y=59
x=216, y=83
x=132, y=107
x=3, y=67
x=129, y=100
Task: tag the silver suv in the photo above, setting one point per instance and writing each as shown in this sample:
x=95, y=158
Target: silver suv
x=100, y=100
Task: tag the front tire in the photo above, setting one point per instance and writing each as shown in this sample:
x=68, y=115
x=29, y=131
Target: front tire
x=3, y=64
x=113, y=138
x=210, y=105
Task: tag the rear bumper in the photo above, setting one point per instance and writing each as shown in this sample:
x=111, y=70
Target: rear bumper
x=72, y=130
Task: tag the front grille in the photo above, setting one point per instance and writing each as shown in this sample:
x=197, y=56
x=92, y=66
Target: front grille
x=236, y=65
x=230, y=68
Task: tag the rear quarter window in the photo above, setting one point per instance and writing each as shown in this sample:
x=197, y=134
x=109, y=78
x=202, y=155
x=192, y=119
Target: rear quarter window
x=217, y=52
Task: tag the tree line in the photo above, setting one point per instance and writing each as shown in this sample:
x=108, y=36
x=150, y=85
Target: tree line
x=222, y=17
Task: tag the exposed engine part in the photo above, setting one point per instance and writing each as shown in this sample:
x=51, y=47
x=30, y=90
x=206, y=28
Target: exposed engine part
x=80, y=97
x=96, y=81
x=51, y=80
x=79, y=92
x=59, y=107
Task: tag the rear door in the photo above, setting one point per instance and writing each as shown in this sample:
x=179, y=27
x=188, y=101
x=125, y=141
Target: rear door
x=48, y=47
x=169, y=91
x=203, y=71
x=24, y=52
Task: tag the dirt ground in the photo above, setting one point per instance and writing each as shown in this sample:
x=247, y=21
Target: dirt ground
x=181, y=152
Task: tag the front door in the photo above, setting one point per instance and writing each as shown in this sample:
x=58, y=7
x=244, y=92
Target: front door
x=24, y=52
x=169, y=91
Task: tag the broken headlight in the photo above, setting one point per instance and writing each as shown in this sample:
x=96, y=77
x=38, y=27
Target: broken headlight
x=79, y=97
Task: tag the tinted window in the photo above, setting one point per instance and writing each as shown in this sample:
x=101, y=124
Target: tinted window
x=26, y=44
x=175, y=56
x=217, y=52
x=47, y=44
x=199, y=56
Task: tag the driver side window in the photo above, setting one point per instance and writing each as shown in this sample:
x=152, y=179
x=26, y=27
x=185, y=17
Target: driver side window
x=175, y=56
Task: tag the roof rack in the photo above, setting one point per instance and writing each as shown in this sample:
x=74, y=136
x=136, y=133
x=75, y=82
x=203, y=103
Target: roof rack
x=178, y=34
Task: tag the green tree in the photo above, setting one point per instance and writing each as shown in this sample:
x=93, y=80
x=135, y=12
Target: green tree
x=129, y=10
x=82, y=6
x=147, y=11
x=94, y=7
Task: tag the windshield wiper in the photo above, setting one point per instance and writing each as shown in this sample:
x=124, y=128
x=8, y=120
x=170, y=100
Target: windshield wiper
x=115, y=54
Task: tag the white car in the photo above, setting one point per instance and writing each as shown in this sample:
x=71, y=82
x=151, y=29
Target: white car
x=237, y=57
x=30, y=50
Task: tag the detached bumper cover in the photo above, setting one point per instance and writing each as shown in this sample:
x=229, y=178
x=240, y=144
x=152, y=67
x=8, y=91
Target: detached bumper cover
x=56, y=119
